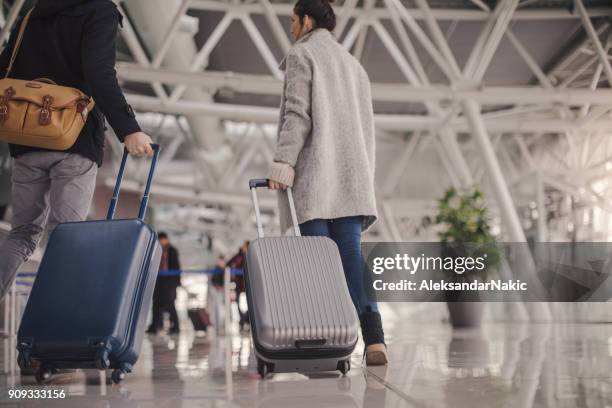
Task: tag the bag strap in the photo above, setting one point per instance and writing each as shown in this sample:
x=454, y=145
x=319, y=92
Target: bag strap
x=22, y=28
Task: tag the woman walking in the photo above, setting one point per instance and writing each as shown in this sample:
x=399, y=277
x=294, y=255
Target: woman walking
x=325, y=151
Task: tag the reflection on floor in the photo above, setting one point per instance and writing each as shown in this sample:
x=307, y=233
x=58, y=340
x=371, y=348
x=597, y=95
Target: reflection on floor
x=501, y=365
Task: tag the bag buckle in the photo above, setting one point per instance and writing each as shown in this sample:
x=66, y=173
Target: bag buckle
x=45, y=112
x=82, y=108
x=4, y=103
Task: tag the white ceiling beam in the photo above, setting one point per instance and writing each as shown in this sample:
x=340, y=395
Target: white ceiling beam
x=495, y=173
x=479, y=44
x=286, y=9
x=137, y=50
x=438, y=37
x=388, y=92
x=574, y=52
x=201, y=59
x=417, y=31
x=395, y=52
x=394, y=176
x=593, y=85
x=276, y=26
x=190, y=194
x=409, y=49
x=494, y=39
x=363, y=32
x=529, y=60
x=447, y=161
x=493, y=95
x=10, y=20
x=385, y=121
x=344, y=15
x=480, y=4
x=209, y=80
x=170, y=34
x=262, y=46
x=588, y=26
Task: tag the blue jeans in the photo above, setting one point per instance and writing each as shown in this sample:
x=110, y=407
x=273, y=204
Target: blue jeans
x=346, y=233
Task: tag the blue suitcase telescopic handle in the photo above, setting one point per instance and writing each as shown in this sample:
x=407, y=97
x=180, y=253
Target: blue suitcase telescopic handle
x=145, y=197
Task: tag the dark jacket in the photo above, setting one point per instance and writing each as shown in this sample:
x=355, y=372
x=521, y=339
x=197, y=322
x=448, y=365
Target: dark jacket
x=174, y=264
x=73, y=42
x=217, y=276
x=237, y=262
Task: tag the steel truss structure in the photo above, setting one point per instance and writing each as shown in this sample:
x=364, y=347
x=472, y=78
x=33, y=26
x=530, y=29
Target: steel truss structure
x=554, y=131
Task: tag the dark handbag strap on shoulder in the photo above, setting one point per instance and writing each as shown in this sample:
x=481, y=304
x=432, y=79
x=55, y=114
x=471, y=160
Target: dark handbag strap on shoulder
x=22, y=28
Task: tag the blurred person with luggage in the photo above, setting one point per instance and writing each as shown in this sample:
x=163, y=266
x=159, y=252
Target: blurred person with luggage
x=71, y=43
x=168, y=280
x=237, y=262
x=325, y=152
x=200, y=319
x=215, y=299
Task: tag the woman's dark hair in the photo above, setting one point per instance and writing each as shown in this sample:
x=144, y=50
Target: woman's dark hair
x=319, y=10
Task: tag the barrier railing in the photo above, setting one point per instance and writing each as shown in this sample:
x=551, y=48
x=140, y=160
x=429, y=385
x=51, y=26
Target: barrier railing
x=14, y=301
x=210, y=271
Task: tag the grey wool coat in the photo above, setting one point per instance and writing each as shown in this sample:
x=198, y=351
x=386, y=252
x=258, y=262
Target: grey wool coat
x=326, y=132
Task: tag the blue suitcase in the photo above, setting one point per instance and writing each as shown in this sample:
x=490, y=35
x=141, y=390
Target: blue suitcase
x=90, y=300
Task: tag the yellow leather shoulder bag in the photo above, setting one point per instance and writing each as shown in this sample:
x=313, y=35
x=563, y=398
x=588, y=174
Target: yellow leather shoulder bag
x=40, y=113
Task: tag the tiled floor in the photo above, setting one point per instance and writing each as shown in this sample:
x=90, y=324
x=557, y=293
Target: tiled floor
x=501, y=365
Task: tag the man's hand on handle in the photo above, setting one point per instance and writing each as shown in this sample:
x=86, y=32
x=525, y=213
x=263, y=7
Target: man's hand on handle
x=139, y=144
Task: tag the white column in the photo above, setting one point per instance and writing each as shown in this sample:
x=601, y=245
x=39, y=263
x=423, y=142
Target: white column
x=502, y=193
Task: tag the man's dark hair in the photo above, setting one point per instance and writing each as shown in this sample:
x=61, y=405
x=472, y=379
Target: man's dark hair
x=162, y=235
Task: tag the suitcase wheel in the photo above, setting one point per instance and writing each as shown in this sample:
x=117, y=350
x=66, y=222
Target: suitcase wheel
x=264, y=368
x=344, y=366
x=44, y=373
x=118, y=375
x=102, y=360
x=23, y=360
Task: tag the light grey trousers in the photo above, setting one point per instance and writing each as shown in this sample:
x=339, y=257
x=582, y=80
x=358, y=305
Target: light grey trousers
x=49, y=188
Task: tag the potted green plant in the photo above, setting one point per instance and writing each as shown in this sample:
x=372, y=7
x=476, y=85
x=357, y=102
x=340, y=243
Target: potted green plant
x=466, y=233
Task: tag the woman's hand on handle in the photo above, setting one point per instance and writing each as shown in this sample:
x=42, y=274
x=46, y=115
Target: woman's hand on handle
x=275, y=185
x=281, y=176
x=139, y=144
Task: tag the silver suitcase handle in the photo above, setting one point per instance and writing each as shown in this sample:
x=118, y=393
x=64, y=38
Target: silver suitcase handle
x=254, y=184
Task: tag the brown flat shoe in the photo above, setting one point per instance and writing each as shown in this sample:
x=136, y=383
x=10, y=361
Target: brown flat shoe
x=376, y=355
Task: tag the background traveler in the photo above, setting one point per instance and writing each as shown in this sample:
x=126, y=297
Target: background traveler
x=238, y=262
x=164, y=295
x=215, y=297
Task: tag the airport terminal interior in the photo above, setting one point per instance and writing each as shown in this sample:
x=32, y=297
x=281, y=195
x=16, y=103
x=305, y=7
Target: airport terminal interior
x=511, y=96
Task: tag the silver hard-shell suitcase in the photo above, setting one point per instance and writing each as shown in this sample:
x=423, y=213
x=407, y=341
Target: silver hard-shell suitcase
x=300, y=309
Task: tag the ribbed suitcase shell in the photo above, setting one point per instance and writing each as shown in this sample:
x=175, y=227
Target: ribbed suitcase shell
x=298, y=293
x=94, y=285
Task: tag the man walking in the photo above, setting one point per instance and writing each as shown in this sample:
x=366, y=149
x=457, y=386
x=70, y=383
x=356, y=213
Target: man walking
x=168, y=280
x=73, y=43
x=238, y=261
